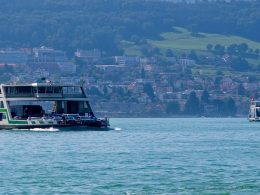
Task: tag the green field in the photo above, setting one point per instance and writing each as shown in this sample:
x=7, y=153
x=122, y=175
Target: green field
x=181, y=39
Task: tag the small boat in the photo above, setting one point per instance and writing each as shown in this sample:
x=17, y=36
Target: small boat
x=45, y=105
x=254, y=111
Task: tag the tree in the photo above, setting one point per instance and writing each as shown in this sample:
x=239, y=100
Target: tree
x=205, y=97
x=250, y=50
x=192, y=106
x=219, y=49
x=240, y=64
x=105, y=90
x=209, y=47
x=242, y=48
x=231, y=107
x=241, y=90
x=252, y=78
x=219, y=73
x=218, y=80
x=143, y=73
x=225, y=107
x=156, y=51
x=173, y=108
x=193, y=55
x=148, y=89
x=169, y=53
x=220, y=106
x=187, y=71
x=232, y=49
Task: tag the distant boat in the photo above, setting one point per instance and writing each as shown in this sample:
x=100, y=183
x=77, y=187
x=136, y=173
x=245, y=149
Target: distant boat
x=254, y=111
x=45, y=105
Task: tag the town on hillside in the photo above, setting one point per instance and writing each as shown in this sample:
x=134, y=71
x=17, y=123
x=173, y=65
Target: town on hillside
x=174, y=85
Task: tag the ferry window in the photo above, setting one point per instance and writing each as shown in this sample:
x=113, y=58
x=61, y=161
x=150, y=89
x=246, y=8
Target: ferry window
x=57, y=89
x=4, y=116
x=25, y=89
x=41, y=89
x=1, y=116
x=65, y=90
x=34, y=89
x=0, y=91
x=72, y=90
x=77, y=90
x=49, y=90
x=1, y=104
x=11, y=90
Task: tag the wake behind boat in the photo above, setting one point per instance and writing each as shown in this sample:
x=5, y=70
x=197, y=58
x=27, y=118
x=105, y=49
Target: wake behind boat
x=44, y=105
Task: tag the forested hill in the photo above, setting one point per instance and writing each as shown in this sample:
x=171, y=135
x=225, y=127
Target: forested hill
x=71, y=24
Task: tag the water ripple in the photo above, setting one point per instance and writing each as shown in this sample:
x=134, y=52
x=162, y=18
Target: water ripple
x=149, y=156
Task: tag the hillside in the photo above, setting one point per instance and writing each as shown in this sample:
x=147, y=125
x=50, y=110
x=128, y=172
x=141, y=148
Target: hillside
x=182, y=40
x=103, y=24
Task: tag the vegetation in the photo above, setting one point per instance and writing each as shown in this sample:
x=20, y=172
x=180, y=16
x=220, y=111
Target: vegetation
x=193, y=106
x=181, y=40
x=103, y=24
x=173, y=108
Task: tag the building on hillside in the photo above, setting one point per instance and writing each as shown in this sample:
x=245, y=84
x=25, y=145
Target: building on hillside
x=11, y=56
x=127, y=60
x=144, y=98
x=251, y=86
x=146, y=60
x=186, y=62
x=89, y=56
x=52, y=60
x=227, y=84
x=171, y=59
x=45, y=54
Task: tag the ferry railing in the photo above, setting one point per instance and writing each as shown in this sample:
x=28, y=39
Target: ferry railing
x=47, y=95
x=74, y=95
x=32, y=95
x=13, y=95
x=44, y=95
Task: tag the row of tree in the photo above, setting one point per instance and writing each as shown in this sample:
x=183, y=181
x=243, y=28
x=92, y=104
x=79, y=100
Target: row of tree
x=234, y=49
x=196, y=106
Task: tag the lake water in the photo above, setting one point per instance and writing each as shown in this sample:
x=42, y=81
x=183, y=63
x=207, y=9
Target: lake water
x=142, y=156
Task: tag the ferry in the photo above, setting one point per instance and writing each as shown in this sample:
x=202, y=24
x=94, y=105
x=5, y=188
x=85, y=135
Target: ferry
x=47, y=105
x=254, y=111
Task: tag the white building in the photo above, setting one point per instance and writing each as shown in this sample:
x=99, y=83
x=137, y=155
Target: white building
x=93, y=55
x=45, y=54
x=10, y=56
x=127, y=60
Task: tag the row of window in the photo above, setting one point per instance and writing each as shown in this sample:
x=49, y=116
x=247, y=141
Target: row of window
x=50, y=89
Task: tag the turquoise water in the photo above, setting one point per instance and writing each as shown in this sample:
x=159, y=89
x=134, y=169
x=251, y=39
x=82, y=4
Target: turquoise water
x=143, y=156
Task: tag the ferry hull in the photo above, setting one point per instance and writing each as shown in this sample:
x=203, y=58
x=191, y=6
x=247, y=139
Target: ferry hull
x=58, y=126
x=254, y=120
